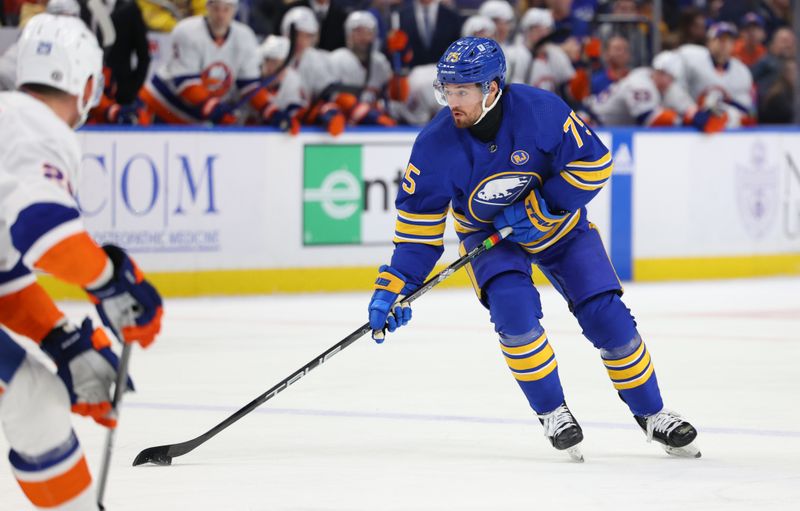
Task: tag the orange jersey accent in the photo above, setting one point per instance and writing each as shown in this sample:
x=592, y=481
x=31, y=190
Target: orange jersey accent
x=30, y=312
x=665, y=117
x=76, y=259
x=59, y=489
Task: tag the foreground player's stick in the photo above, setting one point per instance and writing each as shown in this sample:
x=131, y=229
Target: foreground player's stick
x=119, y=389
x=163, y=454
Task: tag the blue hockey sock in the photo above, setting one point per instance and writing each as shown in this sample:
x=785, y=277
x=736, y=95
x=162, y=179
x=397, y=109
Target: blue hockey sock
x=631, y=371
x=533, y=363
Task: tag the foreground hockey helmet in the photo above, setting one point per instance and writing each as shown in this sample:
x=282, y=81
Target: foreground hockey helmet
x=363, y=19
x=472, y=60
x=61, y=52
x=476, y=24
x=303, y=19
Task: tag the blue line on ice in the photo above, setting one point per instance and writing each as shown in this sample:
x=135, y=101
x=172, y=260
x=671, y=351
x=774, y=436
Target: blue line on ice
x=435, y=418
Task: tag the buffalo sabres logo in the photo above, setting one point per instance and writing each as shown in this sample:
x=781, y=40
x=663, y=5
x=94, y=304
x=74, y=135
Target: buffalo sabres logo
x=453, y=56
x=498, y=191
x=519, y=157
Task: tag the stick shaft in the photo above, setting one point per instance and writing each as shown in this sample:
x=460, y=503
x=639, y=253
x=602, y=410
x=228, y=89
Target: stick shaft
x=180, y=449
x=119, y=389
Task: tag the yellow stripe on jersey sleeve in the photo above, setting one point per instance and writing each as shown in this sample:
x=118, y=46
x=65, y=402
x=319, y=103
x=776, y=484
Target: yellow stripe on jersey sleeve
x=596, y=164
x=425, y=228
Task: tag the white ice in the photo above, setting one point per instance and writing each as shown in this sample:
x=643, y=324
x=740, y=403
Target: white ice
x=432, y=419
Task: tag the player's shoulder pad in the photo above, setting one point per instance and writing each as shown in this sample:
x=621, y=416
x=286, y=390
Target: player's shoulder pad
x=189, y=27
x=538, y=113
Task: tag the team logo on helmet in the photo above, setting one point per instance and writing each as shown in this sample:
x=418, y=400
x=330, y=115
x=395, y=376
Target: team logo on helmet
x=520, y=157
x=453, y=56
x=44, y=48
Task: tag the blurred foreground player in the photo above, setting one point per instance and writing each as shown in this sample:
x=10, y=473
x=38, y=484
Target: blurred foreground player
x=59, y=80
x=517, y=156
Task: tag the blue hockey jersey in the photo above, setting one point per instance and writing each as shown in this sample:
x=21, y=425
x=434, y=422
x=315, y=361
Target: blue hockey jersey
x=540, y=143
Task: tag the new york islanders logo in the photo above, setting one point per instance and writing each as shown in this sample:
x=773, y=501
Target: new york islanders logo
x=520, y=157
x=498, y=191
x=217, y=78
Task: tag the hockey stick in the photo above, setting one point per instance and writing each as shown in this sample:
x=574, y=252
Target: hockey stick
x=119, y=389
x=267, y=81
x=163, y=454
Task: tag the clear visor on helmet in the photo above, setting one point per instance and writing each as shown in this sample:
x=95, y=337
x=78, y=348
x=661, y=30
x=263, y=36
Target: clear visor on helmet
x=447, y=93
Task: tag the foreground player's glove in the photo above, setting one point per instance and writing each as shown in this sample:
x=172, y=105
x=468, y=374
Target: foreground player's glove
x=385, y=313
x=127, y=303
x=88, y=368
x=530, y=219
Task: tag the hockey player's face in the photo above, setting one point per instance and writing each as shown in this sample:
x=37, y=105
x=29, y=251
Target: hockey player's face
x=721, y=48
x=220, y=15
x=361, y=39
x=464, y=101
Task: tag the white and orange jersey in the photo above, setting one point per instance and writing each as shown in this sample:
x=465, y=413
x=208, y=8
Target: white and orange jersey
x=40, y=221
x=290, y=92
x=39, y=166
x=348, y=70
x=549, y=70
x=421, y=105
x=630, y=101
x=202, y=67
x=315, y=69
x=701, y=77
x=517, y=59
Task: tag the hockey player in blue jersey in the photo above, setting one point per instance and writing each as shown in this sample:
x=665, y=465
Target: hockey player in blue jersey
x=518, y=156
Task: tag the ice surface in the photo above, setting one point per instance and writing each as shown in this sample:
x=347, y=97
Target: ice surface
x=432, y=419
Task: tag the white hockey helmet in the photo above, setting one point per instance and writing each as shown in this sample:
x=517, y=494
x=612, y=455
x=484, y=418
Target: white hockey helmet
x=63, y=7
x=536, y=17
x=302, y=18
x=476, y=24
x=61, y=52
x=274, y=47
x=360, y=19
x=670, y=63
x=497, y=9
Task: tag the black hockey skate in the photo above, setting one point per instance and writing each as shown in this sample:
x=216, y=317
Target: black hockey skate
x=673, y=433
x=563, y=431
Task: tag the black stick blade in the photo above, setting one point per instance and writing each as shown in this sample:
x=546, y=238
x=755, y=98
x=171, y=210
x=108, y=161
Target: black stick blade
x=156, y=455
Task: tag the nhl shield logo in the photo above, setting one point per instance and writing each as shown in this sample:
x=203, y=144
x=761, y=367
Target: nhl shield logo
x=757, y=192
x=453, y=56
x=520, y=157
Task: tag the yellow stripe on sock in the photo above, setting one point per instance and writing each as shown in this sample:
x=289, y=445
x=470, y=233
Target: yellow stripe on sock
x=523, y=364
x=537, y=375
x=637, y=381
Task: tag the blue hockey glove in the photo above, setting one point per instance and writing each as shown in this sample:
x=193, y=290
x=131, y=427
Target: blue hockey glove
x=127, y=303
x=88, y=368
x=529, y=218
x=384, y=311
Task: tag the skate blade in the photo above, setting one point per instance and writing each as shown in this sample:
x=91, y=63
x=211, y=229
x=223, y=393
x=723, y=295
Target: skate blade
x=575, y=454
x=687, y=451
